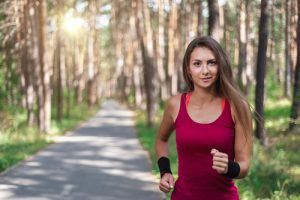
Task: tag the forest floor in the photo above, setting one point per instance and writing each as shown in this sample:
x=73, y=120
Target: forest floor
x=102, y=159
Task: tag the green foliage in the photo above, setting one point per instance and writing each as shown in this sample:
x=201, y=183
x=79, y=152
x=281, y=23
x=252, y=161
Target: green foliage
x=268, y=176
x=78, y=114
x=3, y=93
x=147, y=137
x=18, y=142
x=19, y=145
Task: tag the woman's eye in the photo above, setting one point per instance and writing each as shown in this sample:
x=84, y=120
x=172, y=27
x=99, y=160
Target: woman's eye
x=212, y=63
x=196, y=64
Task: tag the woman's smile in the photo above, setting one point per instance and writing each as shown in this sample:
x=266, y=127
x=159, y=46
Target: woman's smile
x=206, y=79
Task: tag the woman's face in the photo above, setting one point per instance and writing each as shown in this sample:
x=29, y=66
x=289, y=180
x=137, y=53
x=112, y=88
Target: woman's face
x=203, y=67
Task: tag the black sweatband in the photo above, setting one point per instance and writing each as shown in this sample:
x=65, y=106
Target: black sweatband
x=233, y=170
x=164, y=166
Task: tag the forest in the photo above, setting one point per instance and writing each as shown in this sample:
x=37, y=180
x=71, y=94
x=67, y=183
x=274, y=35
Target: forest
x=59, y=60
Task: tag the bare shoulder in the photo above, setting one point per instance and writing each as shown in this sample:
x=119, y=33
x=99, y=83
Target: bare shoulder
x=173, y=105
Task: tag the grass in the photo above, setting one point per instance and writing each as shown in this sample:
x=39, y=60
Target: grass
x=18, y=142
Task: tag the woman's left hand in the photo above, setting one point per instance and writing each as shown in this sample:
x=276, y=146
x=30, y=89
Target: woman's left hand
x=220, y=161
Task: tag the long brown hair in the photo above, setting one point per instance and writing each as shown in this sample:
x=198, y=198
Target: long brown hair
x=225, y=86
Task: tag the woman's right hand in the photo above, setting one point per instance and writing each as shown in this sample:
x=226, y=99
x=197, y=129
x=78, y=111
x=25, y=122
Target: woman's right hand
x=166, y=183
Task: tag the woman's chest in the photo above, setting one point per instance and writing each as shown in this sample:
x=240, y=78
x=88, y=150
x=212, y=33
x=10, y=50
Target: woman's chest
x=203, y=138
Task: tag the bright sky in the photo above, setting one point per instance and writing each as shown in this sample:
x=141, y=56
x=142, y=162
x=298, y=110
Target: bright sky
x=101, y=20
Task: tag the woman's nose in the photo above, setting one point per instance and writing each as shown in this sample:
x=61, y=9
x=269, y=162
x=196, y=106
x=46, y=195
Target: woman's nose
x=204, y=70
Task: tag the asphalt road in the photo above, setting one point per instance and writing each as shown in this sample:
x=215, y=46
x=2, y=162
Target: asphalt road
x=100, y=160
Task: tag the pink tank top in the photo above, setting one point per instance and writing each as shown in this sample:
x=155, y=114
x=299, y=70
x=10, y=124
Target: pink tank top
x=197, y=179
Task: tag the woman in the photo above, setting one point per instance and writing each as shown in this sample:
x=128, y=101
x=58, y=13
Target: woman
x=213, y=126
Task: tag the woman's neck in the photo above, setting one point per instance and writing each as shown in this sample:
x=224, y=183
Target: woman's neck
x=204, y=96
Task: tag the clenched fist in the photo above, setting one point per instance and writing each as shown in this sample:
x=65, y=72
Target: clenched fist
x=166, y=183
x=220, y=161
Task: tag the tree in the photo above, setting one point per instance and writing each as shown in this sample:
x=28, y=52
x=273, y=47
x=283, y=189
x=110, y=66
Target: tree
x=45, y=118
x=213, y=19
x=199, y=17
x=288, y=67
x=242, y=47
x=160, y=51
x=136, y=56
x=92, y=48
x=260, y=73
x=295, y=111
x=145, y=38
x=59, y=65
x=36, y=60
x=23, y=38
x=172, y=72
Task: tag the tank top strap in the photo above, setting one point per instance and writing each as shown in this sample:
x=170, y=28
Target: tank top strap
x=187, y=98
x=223, y=103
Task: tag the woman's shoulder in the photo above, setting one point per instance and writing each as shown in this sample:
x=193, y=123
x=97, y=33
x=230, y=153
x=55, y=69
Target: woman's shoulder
x=173, y=105
x=174, y=99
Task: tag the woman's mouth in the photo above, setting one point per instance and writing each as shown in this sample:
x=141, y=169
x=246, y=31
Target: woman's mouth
x=206, y=79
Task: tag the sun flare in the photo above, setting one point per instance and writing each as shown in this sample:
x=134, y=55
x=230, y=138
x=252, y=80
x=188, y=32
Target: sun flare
x=72, y=24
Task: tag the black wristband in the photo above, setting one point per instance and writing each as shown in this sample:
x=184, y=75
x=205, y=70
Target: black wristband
x=233, y=170
x=164, y=165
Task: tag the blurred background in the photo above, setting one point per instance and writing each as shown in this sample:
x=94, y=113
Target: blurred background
x=59, y=60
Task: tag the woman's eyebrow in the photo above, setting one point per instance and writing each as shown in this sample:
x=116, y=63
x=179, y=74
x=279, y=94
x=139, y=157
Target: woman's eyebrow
x=209, y=60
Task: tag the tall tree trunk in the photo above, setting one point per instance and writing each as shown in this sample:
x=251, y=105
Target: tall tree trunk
x=170, y=46
x=260, y=73
x=147, y=54
x=18, y=9
x=242, y=79
x=172, y=73
x=221, y=24
x=177, y=79
x=249, y=57
x=137, y=59
x=97, y=61
x=227, y=27
x=295, y=111
x=59, y=55
x=91, y=53
x=149, y=68
x=45, y=68
x=160, y=51
x=279, y=53
x=199, y=26
x=270, y=54
x=288, y=67
x=293, y=34
x=213, y=19
x=69, y=61
x=79, y=72
x=118, y=38
x=187, y=5
x=26, y=68
x=35, y=55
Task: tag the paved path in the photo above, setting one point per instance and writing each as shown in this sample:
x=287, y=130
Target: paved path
x=101, y=160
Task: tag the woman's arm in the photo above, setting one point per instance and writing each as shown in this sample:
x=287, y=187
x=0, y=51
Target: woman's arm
x=242, y=145
x=167, y=126
x=242, y=151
